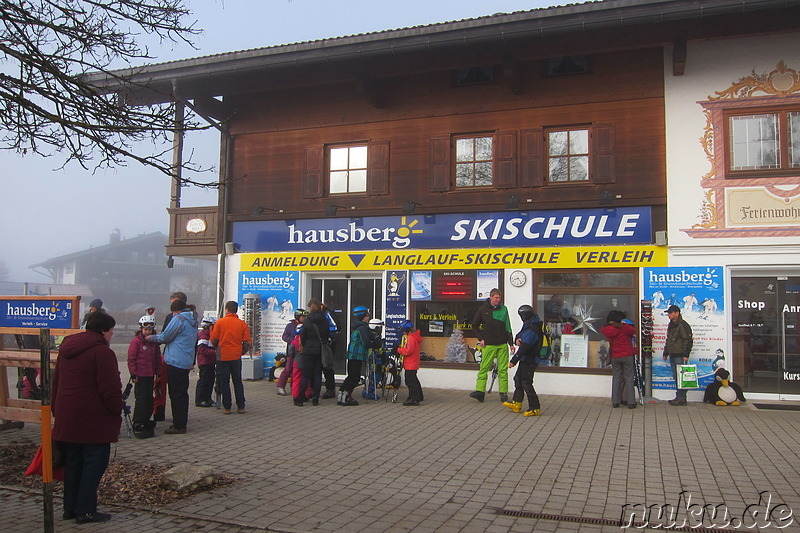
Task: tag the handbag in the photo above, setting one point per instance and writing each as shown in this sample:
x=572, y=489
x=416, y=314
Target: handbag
x=35, y=468
x=325, y=349
x=687, y=377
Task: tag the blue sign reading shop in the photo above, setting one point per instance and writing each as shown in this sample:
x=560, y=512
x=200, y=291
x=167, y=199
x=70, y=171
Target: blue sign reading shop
x=628, y=225
x=20, y=313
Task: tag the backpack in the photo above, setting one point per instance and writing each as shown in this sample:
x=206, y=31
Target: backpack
x=546, y=350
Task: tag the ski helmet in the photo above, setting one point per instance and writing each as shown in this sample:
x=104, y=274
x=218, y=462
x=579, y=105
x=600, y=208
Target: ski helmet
x=360, y=312
x=375, y=324
x=208, y=321
x=525, y=312
x=300, y=313
x=406, y=326
x=147, y=320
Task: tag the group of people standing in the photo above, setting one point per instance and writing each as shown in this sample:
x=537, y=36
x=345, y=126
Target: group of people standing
x=310, y=344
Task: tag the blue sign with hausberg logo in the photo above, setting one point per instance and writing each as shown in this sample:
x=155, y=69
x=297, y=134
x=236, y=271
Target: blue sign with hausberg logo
x=629, y=225
x=38, y=313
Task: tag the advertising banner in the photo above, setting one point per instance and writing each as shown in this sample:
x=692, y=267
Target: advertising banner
x=699, y=292
x=460, y=259
x=624, y=225
x=279, y=292
x=396, y=283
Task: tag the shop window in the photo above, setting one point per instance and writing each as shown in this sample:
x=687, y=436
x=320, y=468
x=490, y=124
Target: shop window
x=574, y=305
x=767, y=142
x=474, y=161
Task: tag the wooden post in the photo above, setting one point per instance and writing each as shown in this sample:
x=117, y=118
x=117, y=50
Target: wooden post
x=47, y=438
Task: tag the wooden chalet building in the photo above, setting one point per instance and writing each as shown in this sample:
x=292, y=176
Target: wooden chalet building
x=413, y=170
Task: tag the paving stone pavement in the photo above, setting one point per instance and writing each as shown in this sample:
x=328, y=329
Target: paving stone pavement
x=453, y=464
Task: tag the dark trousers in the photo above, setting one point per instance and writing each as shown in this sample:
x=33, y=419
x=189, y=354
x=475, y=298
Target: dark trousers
x=312, y=372
x=523, y=384
x=674, y=360
x=85, y=465
x=353, y=376
x=205, y=384
x=231, y=371
x=330, y=379
x=143, y=393
x=414, y=386
x=622, y=389
x=178, y=385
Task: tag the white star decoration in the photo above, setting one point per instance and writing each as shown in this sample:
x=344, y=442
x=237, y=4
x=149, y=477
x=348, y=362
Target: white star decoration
x=585, y=318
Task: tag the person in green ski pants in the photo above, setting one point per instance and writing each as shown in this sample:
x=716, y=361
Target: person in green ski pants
x=493, y=328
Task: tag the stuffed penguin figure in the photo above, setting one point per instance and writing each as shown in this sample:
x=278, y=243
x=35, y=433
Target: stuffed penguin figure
x=723, y=391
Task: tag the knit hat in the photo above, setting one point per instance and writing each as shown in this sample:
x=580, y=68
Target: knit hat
x=97, y=303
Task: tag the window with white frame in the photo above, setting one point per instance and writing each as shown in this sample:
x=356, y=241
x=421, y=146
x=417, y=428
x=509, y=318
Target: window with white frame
x=567, y=155
x=764, y=141
x=347, y=167
x=474, y=161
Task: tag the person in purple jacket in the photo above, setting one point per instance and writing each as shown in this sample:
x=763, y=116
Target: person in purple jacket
x=87, y=404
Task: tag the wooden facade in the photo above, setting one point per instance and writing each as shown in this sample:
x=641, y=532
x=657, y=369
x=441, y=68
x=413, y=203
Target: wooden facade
x=279, y=139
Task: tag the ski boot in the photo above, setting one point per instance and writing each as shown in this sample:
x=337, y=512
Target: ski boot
x=478, y=395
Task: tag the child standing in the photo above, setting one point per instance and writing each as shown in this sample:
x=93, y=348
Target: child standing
x=207, y=362
x=409, y=348
x=144, y=362
x=528, y=342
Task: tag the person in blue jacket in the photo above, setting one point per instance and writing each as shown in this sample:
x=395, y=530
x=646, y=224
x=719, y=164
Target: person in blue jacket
x=180, y=339
x=528, y=342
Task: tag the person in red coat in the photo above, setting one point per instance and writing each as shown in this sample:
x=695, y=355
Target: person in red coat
x=410, y=350
x=620, y=337
x=87, y=404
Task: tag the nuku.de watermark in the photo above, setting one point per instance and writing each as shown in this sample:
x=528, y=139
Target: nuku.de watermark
x=685, y=514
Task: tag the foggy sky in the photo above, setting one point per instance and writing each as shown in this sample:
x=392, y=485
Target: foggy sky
x=46, y=212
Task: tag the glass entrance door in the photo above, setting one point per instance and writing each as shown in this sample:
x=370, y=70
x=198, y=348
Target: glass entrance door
x=766, y=341
x=340, y=295
x=789, y=320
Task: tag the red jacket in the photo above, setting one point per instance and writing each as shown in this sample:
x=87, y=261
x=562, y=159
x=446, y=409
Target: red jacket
x=86, y=391
x=410, y=351
x=144, y=358
x=619, y=339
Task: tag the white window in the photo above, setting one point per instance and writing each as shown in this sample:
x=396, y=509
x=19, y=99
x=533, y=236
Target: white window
x=348, y=169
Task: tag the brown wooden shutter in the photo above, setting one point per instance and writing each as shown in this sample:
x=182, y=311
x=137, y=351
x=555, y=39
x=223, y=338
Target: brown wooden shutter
x=603, y=144
x=378, y=167
x=505, y=160
x=532, y=157
x=440, y=164
x=312, y=186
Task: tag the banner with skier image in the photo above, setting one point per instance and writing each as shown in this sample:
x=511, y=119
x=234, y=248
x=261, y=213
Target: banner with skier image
x=699, y=292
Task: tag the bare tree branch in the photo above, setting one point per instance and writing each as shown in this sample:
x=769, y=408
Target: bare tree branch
x=47, y=107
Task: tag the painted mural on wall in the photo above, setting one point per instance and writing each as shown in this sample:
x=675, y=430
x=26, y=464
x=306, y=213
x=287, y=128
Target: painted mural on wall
x=752, y=141
x=699, y=292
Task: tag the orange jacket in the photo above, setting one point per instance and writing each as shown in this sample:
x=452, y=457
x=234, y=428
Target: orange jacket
x=229, y=332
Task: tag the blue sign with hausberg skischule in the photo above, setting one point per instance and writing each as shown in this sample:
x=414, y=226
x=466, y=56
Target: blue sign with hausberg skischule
x=627, y=225
x=38, y=313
